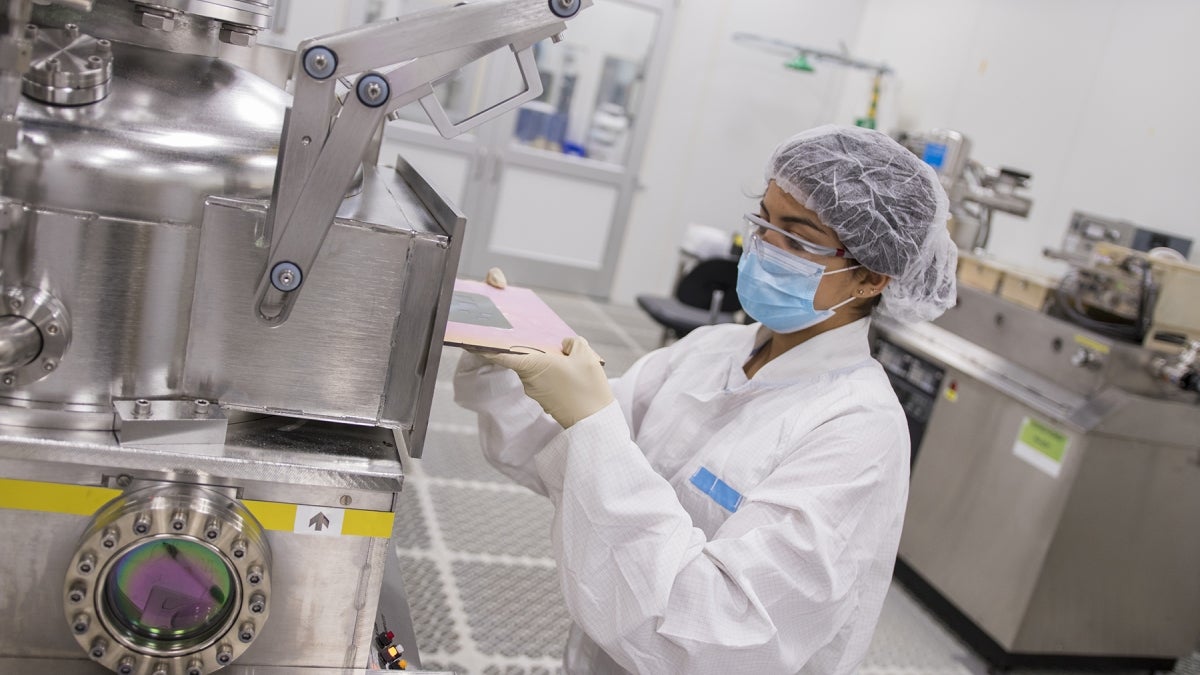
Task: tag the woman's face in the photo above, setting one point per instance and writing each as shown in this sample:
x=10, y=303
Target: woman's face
x=782, y=211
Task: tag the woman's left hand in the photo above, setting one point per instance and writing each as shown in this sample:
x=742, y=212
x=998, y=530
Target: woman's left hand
x=569, y=386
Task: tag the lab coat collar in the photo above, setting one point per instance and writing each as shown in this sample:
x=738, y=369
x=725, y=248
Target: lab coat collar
x=843, y=347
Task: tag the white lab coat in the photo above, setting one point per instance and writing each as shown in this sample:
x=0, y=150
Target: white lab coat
x=661, y=578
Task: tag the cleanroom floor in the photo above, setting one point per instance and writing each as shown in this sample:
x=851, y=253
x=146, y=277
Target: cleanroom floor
x=475, y=547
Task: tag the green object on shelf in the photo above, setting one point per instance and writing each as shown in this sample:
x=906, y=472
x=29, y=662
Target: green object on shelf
x=799, y=63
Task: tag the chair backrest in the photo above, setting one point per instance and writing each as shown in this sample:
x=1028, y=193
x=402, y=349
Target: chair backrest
x=717, y=274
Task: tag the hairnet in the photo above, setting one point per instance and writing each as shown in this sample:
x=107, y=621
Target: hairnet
x=885, y=204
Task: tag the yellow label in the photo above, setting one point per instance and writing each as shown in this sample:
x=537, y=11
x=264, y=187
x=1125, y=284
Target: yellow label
x=1088, y=343
x=1045, y=439
x=78, y=500
x=1042, y=446
x=369, y=523
x=84, y=500
x=951, y=395
x=272, y=515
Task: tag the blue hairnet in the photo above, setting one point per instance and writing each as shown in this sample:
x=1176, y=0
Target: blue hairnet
x=885, y=204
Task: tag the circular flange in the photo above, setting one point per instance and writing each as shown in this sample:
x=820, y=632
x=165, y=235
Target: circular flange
x=50, y=316
x=186, y=548
x=67, y=67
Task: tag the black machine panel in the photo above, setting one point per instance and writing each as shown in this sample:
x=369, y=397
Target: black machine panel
x=917, y=383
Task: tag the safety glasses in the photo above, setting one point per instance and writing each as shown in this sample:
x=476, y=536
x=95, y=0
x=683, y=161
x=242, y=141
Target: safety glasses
x=756, y=229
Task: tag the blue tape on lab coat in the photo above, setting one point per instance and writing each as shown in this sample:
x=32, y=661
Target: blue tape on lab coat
x=720, y=492
x=704, y=479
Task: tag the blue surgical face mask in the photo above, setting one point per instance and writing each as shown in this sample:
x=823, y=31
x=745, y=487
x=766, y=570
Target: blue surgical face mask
x=777, y=288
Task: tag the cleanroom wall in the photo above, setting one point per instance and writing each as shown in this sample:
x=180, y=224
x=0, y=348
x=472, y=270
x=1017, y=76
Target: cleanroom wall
x=1096, y=98
x=722, y=108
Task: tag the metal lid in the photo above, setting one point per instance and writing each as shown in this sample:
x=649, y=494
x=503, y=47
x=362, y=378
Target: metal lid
x=250, y=14
x=67, y=67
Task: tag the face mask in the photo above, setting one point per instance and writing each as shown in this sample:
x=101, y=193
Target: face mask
x=777, y=289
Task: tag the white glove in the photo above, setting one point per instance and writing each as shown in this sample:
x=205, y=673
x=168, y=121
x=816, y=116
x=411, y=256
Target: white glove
x=569, y=386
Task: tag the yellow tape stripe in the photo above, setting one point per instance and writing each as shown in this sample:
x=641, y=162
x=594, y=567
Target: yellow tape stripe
x=83, y=500
x=1085, y=341
x=79, y=500
x=273, y=515
x=368, y=523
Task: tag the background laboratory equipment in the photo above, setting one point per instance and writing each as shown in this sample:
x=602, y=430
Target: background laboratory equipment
x=1055, y=490
x=976, y=190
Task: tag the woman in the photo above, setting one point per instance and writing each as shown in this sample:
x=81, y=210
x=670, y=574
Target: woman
x=733, y=503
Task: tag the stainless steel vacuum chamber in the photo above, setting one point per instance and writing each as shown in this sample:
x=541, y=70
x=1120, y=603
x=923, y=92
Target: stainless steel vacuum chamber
x=220, y=324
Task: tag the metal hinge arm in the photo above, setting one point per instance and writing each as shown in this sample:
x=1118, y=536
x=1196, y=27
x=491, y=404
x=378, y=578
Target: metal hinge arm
x=323, y=141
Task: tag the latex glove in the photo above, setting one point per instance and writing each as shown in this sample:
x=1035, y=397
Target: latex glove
x=569, y=386
x=495, y=278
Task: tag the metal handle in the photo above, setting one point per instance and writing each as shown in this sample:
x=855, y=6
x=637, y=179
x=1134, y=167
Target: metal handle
x=317, y=159
x=533, y=89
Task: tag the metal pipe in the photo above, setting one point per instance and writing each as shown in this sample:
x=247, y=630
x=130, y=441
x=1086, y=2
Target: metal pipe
x=1018, y=205
x=20, y=342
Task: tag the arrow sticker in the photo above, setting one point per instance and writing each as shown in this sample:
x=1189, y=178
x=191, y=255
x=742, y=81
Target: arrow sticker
x=320, y=520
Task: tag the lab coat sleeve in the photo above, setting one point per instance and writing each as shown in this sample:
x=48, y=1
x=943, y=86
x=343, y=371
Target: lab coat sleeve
x=775, y=583
x=513, y=428
x=634, y=390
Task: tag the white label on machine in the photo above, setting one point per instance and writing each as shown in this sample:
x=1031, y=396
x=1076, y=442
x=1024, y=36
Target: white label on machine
x=1042, y=446
x=318, y=520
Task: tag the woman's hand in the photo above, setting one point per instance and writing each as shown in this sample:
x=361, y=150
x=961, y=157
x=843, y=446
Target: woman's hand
x=569, y=386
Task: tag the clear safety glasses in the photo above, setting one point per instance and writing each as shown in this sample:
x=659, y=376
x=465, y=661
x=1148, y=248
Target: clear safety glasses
x=756, y=229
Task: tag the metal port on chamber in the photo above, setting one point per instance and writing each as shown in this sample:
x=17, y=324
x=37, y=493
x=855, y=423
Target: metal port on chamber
x=169, y=579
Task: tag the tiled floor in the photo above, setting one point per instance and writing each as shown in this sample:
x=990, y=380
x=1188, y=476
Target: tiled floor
x=476, y=551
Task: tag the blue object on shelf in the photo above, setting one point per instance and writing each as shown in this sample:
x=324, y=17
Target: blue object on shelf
x=556, y=129
x=935, y=155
